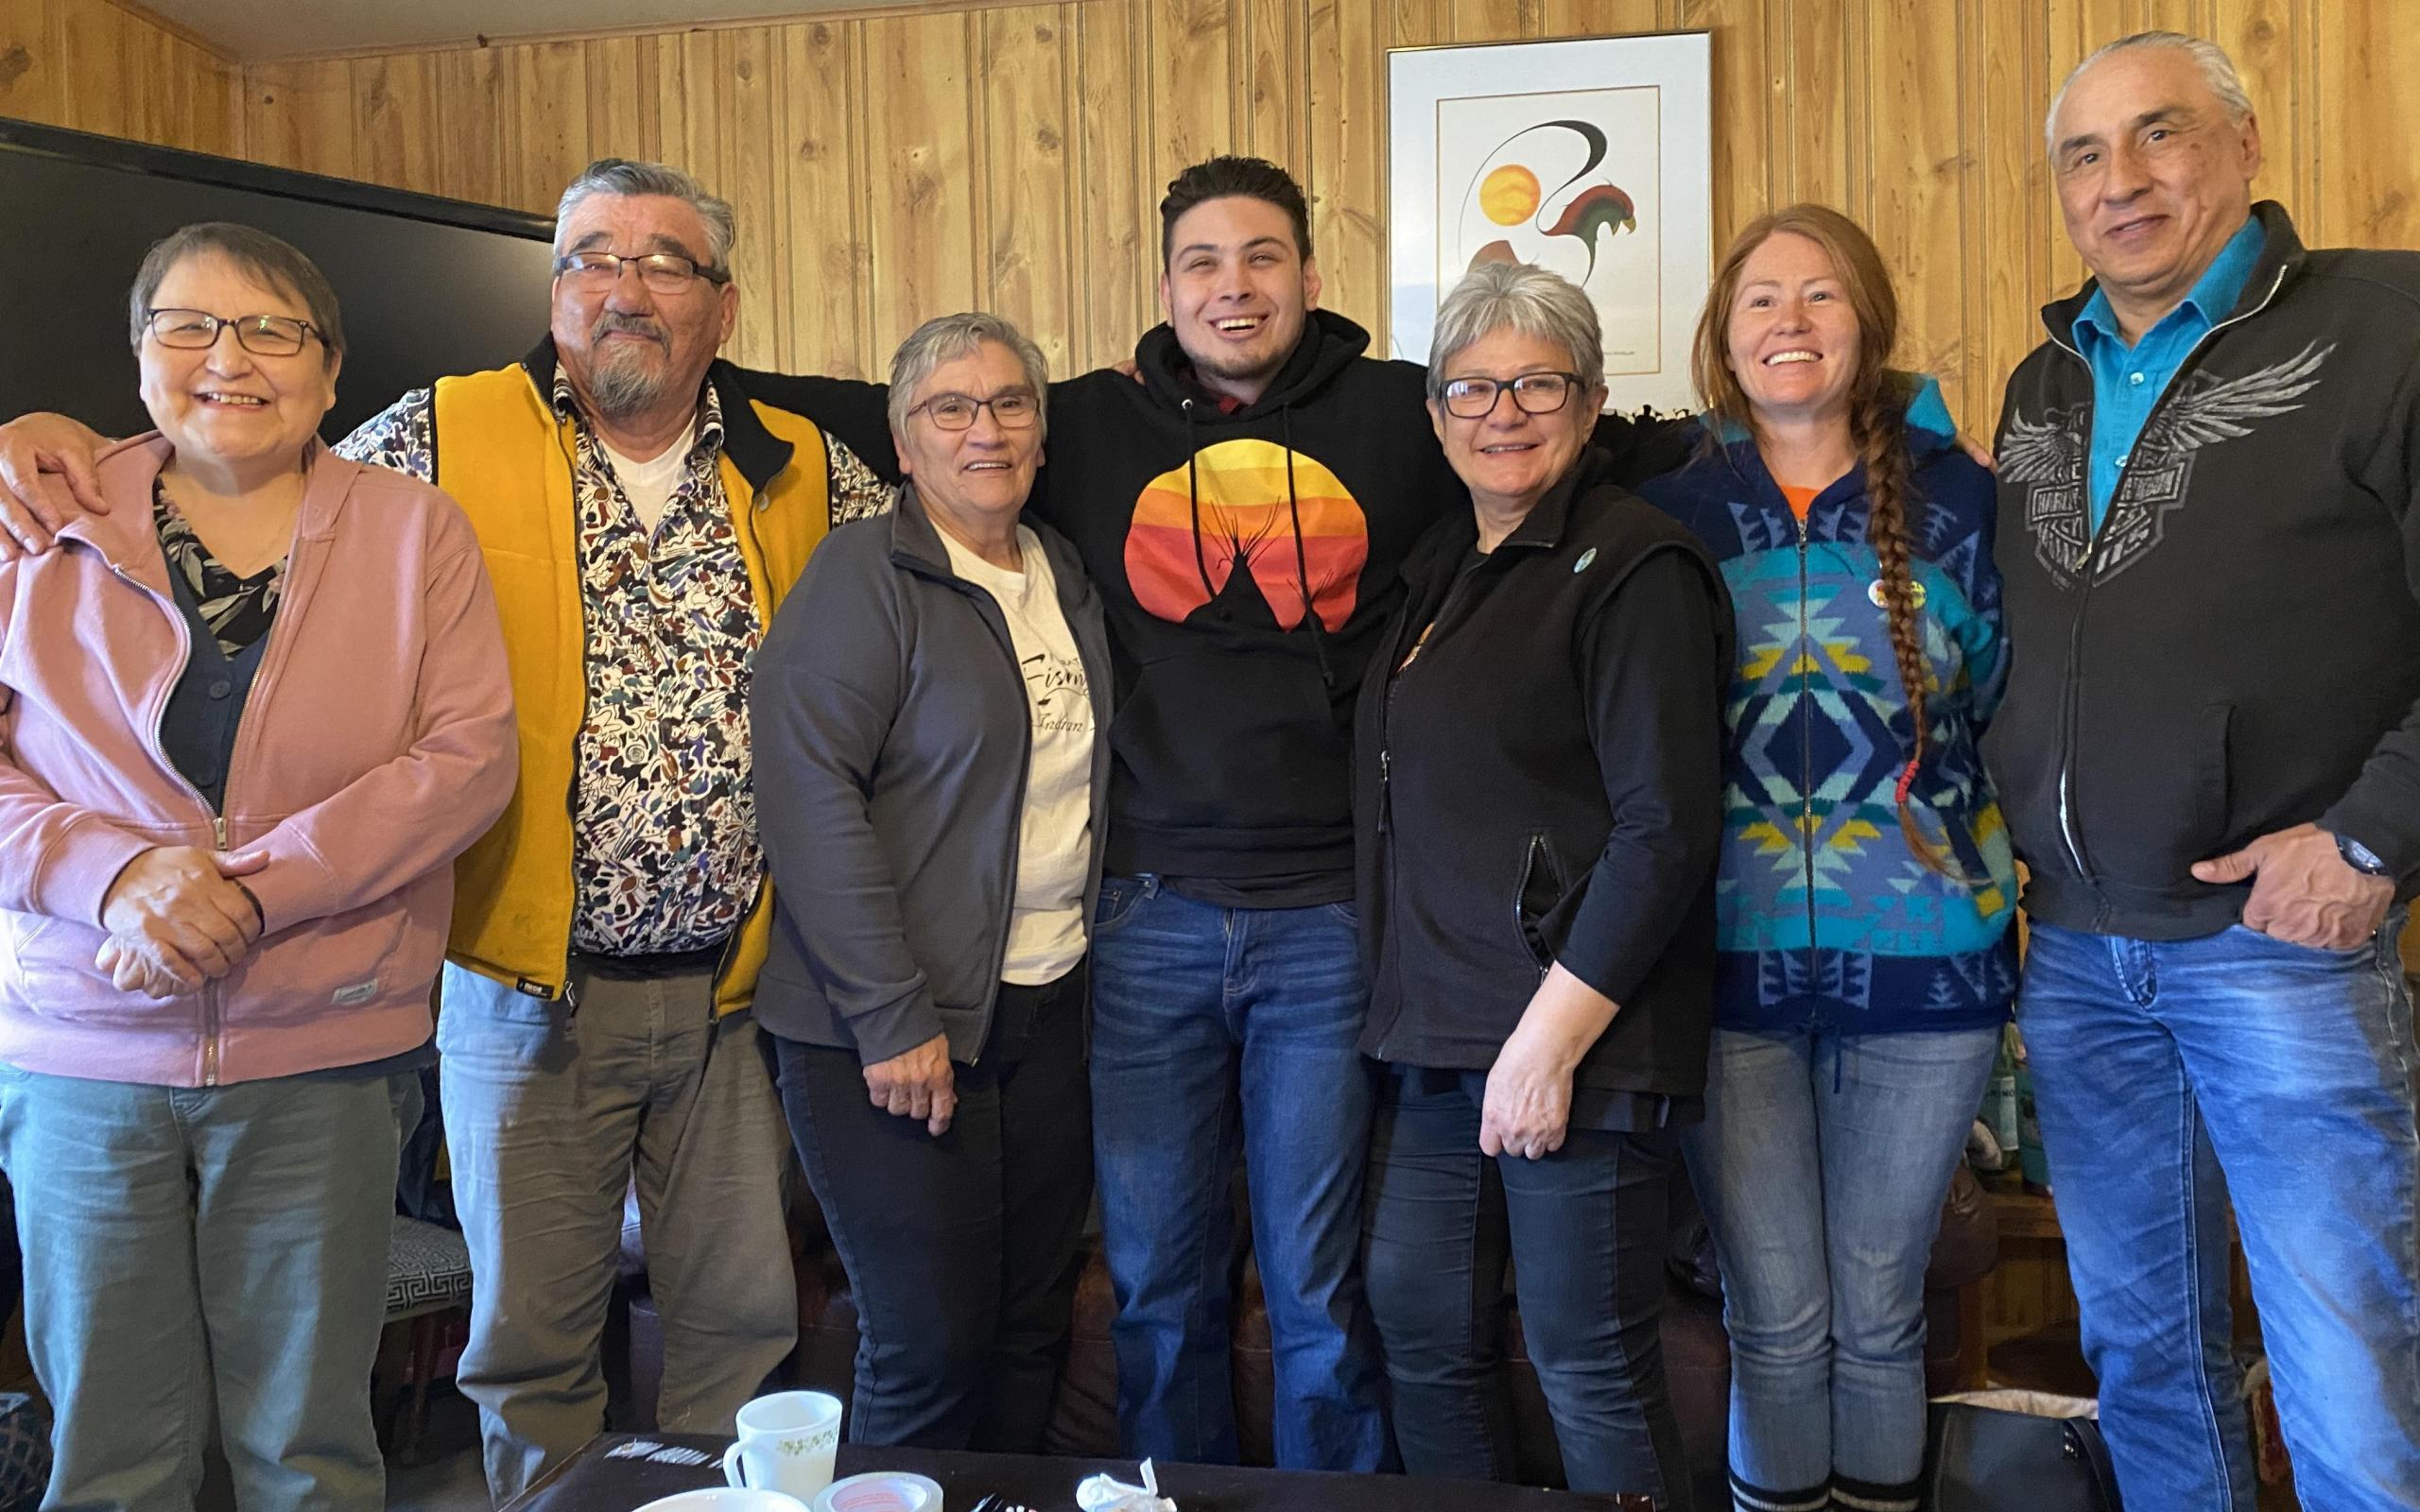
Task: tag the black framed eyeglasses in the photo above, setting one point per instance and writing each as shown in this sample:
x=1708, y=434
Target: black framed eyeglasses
x=661, y=272
x=1533, y=393
x=1016, y=409
x=263, y=335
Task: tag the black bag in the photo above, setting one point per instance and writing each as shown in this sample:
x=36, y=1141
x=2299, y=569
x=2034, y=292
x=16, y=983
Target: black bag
x=1981, y=1458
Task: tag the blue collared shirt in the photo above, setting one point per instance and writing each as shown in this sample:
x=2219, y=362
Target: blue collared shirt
x=2128, y=381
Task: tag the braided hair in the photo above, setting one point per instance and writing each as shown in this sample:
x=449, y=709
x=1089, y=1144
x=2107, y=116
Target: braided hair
x=1877, y=405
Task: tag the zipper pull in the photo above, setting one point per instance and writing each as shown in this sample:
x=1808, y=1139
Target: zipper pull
x=1385, y=807
x=218, y=829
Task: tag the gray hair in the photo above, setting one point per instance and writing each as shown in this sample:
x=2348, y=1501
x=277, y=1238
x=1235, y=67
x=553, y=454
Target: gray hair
x=948, y=337
x=622, y=176
x=2218, y=71
x=1532, y=301
x=266, y=259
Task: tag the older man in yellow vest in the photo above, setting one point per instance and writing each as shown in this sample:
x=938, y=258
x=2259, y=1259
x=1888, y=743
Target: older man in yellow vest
x=641, y=519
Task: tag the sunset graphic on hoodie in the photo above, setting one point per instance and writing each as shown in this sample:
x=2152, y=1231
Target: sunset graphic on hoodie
x=1243, y=508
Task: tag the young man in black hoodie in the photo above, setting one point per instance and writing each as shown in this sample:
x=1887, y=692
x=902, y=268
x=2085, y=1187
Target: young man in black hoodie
x=2209, y=757
x=1243, y=502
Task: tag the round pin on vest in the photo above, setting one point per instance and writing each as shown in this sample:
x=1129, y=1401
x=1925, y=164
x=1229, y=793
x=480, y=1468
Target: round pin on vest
x=1585, y=557
x=1915, y=593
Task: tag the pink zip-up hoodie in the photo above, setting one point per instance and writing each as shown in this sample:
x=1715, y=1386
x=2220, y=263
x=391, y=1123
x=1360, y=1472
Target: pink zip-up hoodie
x=376, y=744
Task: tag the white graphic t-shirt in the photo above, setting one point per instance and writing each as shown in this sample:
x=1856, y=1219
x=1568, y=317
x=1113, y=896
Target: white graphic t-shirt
x=1046, y=918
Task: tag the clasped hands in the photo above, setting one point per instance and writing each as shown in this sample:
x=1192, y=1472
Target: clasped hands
x=177, y=917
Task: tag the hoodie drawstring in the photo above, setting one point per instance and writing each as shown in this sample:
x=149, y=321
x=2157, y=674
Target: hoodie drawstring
x=1193, y=496
x=1301, y=556
x=1295, y=510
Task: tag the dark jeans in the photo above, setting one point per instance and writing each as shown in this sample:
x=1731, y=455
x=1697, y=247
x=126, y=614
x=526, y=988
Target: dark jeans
x=961, y=1250
x=1220, y=1031
x=1584, y=1232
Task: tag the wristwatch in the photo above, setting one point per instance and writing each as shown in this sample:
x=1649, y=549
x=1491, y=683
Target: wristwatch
x=2360, y=857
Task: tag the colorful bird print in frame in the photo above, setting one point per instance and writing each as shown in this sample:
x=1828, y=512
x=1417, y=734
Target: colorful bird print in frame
x=1591, y=157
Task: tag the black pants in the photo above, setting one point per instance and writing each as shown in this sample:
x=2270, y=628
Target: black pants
x=961, y=1250
x=1585, y=1231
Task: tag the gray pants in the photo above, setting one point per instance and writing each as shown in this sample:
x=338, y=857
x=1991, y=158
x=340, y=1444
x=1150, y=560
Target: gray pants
x=195, y=1248
x=550, y=1116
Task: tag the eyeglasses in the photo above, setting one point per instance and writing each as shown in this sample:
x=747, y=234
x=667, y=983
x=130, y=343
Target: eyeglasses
x=263, y=335
x=1533, y=393
x=661, y=272
x=1016, y=410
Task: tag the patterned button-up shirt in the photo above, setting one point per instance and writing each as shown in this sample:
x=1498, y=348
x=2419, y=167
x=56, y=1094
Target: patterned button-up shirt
x=664, y=850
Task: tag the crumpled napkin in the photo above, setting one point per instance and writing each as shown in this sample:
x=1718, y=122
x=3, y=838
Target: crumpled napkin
x=1102, y=1493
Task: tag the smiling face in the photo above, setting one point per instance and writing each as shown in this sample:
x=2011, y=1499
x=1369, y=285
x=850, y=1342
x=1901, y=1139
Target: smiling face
x=1793, y=339
x=1238, y=292
x=1509, y=458
x=626, y=347
x=222, y=405
x=977, y=478
x=2152, y=176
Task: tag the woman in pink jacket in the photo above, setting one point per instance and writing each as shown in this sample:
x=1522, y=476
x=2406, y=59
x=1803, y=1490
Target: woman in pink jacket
x=248, y=718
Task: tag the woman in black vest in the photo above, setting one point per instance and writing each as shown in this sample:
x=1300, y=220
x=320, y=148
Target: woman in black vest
x=1541, y=771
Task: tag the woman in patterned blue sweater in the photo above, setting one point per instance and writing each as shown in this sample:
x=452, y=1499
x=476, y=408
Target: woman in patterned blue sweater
x=1866, y=887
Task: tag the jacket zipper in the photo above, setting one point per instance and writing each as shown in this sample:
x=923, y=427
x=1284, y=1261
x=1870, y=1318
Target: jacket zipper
x=1805, y=753
x=2070, y=712
x=571, y=789
x=1394, y=673
x=212, y=1009
x=744, y=521
x=1001, y=638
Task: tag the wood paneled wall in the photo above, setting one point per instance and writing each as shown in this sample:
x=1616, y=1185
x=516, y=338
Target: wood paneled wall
x=893, y=166
x=96, y=66
x=890, y=166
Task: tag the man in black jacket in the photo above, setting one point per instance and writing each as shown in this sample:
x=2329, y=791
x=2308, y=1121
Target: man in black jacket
x=2209, y=756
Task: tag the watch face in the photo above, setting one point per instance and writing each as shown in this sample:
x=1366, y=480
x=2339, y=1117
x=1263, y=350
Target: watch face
x=2360, y=857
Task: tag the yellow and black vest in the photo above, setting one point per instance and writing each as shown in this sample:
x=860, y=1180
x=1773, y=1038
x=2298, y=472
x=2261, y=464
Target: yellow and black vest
x=507, y=458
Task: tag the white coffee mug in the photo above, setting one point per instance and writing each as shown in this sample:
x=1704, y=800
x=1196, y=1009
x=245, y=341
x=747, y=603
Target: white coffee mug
x=786, y=1443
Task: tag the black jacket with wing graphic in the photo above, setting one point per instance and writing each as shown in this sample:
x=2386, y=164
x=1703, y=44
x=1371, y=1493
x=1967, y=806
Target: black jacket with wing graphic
x=2237, y=649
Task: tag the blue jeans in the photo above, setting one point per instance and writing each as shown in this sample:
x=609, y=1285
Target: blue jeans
x=192, y=1248
x=1584, y=1231
x=1216, y=1030
x=2167, y=1076
x=1820, y=1168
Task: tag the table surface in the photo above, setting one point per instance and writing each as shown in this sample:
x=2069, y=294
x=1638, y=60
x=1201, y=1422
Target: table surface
x=617, y=1473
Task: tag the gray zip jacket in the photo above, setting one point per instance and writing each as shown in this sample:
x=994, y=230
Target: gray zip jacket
x=893, y=734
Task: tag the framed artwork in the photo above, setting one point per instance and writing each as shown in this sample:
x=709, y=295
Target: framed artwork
x=1592, y=156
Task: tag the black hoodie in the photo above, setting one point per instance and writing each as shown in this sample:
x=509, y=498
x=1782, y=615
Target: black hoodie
x=1233, y=737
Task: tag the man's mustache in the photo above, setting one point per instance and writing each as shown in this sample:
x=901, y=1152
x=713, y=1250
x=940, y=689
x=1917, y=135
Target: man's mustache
x=610, y=322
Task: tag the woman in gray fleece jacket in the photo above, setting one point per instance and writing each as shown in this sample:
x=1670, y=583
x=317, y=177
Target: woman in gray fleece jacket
x=930, y=711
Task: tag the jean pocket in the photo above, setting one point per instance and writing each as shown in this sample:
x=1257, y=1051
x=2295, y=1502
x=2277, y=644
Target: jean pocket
x=1119, y=899
x=477, y=1013
x=2253, y=943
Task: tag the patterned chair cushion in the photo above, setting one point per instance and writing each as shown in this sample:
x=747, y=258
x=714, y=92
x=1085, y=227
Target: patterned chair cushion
x=427, y=1268
x=25, y=1452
